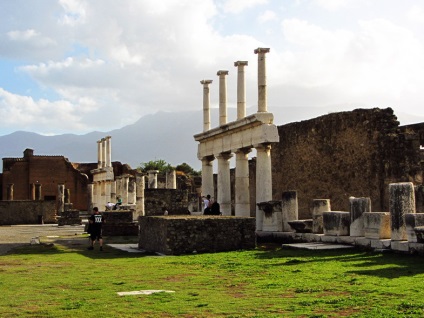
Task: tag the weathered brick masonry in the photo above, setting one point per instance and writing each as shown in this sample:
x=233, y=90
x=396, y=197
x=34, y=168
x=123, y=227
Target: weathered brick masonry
x=346, y=154
x=27, y=212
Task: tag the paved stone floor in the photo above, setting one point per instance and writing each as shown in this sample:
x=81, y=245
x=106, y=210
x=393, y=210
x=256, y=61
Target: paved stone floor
x=16, y=235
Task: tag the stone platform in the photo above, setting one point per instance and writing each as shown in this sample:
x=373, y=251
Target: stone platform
x=358, y=241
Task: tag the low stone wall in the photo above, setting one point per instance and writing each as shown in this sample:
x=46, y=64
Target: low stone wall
x=119, y=223
x=176, y=201
x=174, y=235
x=27, y=212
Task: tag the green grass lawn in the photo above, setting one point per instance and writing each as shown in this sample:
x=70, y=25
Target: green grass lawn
x=66, y=280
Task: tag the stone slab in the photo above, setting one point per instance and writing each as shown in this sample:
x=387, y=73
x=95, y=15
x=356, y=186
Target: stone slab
x=381, y=244
x=329, y=239
x=317, y=246
x=346, y=239
x=130, y=248
x=416, y=248
x=144, y=292
x=363, y=241
x=400, y=246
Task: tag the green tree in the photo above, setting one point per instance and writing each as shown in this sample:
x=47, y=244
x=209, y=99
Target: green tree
x=160, y=165
x=187, y=169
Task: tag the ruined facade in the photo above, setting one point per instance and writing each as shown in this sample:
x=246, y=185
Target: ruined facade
x=37, y=178
x=346, y=154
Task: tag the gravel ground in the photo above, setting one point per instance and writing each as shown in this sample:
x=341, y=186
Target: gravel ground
x=17, y=235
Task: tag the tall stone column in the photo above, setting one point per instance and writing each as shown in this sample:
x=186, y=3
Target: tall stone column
x=206, y=105
x=241, y=89
x=32, y=191
x=99, y=154
x=171, y=179
x=224, y=183
x=207, y=176
x=153, y=179
x=104, y=152
x=10, y=192
x=131, y=191
x=222, y=97
x=401, y=202
x=38, y=194
x=90, y=203
x=113, y=191
x=358, y=206
x=263, y=180
x=289, y=209
x=119, y=187
x=60, y=198
x=140, y=185
x=108, y=158
x=125, y=182
x=262, y=94
x=108, y=190
x=242, y=193
x=318, y=207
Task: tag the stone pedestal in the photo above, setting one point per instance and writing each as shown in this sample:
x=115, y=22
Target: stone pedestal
x=357, y=207
x=272, y=216
x=336, y=223
x=377, y=225
x=318, y=207
x=413, y=220
x=401, y=202
x=289, y=208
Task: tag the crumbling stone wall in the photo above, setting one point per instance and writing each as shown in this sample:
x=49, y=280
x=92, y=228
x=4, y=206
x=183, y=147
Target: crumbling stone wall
x=345, y=154
x=184, y=235
x=27, y=212
x=176, y=201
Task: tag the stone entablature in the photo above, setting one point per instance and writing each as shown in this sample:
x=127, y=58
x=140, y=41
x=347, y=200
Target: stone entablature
x=247, y=132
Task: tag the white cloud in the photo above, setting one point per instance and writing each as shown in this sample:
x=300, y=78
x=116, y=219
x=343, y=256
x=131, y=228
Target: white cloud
x=237, y=6
x=334, y=5
x=416, y=14
x=267, y=16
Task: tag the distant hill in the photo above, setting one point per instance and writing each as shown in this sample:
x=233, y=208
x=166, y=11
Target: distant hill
x=163, y=135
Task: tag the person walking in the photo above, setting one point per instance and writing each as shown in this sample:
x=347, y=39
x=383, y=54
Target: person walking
x=95, y=222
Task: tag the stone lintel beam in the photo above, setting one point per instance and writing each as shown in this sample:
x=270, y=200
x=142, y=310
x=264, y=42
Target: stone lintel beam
x=232, y=140
x=242, y=124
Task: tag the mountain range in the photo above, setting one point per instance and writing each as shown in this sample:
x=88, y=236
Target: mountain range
x=163, y=135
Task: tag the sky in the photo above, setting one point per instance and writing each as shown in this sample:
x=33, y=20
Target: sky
x=76, y=66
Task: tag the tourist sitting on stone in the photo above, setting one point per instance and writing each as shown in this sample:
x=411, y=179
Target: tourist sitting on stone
x=215, y=209
x=109, y=206
x=118, y=203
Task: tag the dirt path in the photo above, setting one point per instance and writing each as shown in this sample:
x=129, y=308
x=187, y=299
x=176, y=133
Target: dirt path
x=17, y=235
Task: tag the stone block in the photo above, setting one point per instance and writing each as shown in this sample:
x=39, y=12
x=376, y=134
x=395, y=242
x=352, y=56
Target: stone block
x=272, y=222
x=336, y=223
x=318, y=207
x=381, y=244
x=289, y=208
x=413, y=220
x=363, y=242
x=401, y=202
x=399, y=246
x=377, y=225
x=346, y=239
x=419, y=232
x=416, y=248
x=311, y=237
x=328, y=239
x=357, y=207
x=301, y=226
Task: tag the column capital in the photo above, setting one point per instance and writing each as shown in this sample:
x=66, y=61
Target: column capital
x=108, y=137
x=263, y=146
x=208, y=158
x=206, y=82
x=261, y=50
x=99, y=141
x=222, y=72
x=243, y=150
x=225, y=155
x=240, y=63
